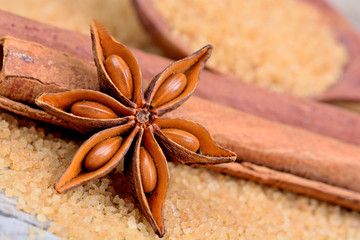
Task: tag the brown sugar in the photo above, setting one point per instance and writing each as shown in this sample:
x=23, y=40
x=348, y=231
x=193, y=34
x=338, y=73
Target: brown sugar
x=200, y=203
x=284, y=46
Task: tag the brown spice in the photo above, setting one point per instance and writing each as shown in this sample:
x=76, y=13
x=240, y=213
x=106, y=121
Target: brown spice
x=32, y=69
x=138, y=121
x=281, y=155
x=256, y=152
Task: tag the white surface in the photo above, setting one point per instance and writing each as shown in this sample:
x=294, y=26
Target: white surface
x=350, y=9
x=15, y=224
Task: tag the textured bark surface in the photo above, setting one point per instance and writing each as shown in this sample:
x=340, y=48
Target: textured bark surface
x=31, y=69
x=280, y=155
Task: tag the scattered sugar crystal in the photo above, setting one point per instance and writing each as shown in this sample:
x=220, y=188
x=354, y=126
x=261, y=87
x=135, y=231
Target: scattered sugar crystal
x=38, y=144
x=47, y=210
x=132, y=223
x=20, y=187
x=15, y=134
x=42, y=234
x=41, y=218
x=32, y=233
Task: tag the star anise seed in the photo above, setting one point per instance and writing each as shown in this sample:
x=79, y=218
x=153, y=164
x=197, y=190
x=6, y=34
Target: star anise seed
x=129, y=125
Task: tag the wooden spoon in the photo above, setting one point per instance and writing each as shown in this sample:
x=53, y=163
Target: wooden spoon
x=347, y=88
x=159, y=30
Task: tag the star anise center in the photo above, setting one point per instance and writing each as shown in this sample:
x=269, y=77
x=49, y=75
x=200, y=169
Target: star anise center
x=143, y=116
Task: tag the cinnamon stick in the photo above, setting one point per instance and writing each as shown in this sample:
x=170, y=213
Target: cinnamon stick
x=29, y=69
x=268, y=152
x=268, y=176
x=281, y=155
x=313, y=116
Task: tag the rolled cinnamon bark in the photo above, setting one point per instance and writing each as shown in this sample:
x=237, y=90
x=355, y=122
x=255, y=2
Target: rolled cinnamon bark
x=281, y=155
x=29, y=69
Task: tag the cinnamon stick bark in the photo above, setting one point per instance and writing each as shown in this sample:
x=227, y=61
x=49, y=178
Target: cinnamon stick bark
x=28, y=69
x=281, y=155
x=31, y=69
x=268, y=152
x=268, y=176
x=313, y=116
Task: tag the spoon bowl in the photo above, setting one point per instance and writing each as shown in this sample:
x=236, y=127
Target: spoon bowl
x=345, y=90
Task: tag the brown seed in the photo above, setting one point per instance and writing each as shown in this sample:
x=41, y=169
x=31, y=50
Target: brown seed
x=172, y=87
x=92, y=109
x=147, y=171
x=183, y=138
x=102, y=152
x=120, y=75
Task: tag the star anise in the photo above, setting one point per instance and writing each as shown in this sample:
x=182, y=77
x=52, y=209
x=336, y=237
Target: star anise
x=132, y=122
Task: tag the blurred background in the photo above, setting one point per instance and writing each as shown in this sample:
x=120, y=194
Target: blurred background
x=350, y=8
x=117, y=15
